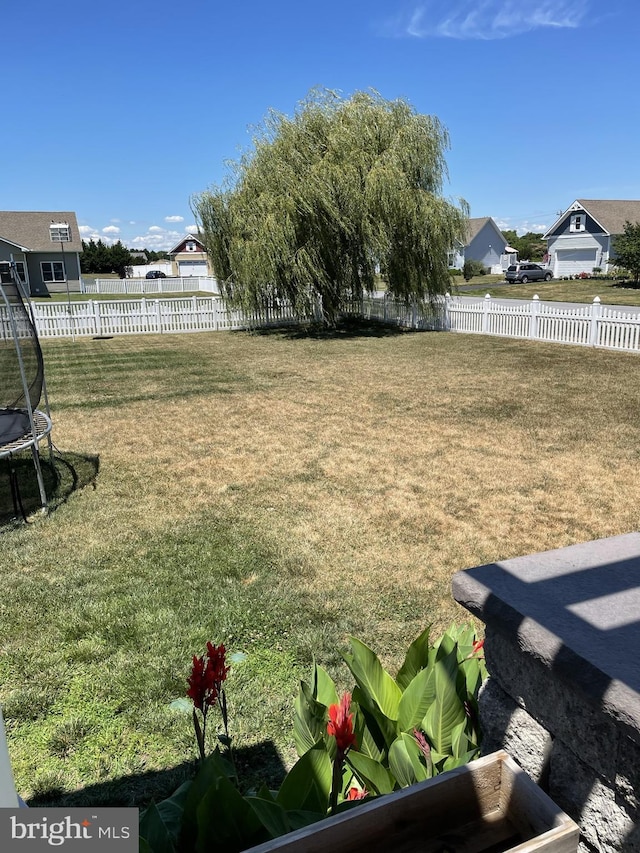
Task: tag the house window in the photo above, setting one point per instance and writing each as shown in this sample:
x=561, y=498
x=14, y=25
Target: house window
x=451, y=259
x=59, y=232
x=191, y=246
x=52, y=271
x=22, y=273
x=577, y=222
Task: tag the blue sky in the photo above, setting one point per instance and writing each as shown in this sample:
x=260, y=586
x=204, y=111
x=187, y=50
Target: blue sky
x=122, y=111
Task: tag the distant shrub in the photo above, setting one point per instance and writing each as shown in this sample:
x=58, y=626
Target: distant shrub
x=472, y=268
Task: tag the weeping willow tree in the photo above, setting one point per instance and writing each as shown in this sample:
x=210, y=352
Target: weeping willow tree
x=327, y=198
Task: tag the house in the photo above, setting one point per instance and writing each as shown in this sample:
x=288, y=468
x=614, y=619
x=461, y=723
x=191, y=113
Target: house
x=581, y=239
x=486, y=243
x=189, y=257
x=45, y=247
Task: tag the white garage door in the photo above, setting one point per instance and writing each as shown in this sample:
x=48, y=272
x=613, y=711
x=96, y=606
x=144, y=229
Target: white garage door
x=192, y=268
x=574, y=261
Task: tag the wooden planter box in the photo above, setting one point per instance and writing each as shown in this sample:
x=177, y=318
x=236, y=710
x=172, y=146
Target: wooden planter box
x=487, y=806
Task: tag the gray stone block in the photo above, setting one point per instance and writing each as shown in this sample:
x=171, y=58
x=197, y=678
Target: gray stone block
x=554, y=703
x=628, y=777
x=578, y=790
x=505, y=725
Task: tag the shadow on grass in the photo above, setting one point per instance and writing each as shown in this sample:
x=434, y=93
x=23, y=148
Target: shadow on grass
x=627, y=285
x=63, y=475
x=349, y=327
x=255, y=765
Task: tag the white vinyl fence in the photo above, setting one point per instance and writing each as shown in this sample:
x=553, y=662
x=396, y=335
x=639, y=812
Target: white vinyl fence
x=587, y=325
x=594, y=325
x=139, y=316
x=143, y=286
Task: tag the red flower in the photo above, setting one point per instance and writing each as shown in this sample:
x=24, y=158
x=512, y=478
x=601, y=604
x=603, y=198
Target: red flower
x=202, y=689
x=423, y=743
x=477, y=647
x=340, y=724
x=356, y=793
x=216, y=663
x=205, y=681
x=479, y=644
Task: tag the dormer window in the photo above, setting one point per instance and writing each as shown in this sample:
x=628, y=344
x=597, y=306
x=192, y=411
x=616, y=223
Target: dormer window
x=60, y=232
x=578, y=222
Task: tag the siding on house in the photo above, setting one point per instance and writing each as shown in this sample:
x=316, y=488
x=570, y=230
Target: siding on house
x=573, y=252
x=25, y=239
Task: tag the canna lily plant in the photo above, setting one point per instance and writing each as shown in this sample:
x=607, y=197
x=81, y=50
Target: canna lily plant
x=387, y=733
x=408, y=728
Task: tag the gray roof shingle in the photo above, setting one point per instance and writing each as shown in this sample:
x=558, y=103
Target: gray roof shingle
x=612, y=214
x=30, y=229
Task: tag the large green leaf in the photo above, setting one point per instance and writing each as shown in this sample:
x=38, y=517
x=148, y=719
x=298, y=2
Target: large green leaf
x=376, y=778
x=153, y=828
x=271, y=815
x=309, y=720
x=452, y=761
x=405, y=763
x=447, y=709
x=206, y=778
x=325, y=689
x=308, y=784
x=373, y=679
x=373, y=746
x=381, y=729
x=417, y=658
x=416, y=699
x=225, y=820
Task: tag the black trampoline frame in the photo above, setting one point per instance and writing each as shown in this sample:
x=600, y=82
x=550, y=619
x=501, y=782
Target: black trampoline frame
x=37, y=423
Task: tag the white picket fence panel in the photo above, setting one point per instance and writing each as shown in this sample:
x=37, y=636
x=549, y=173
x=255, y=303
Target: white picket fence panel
x=143, y=286
x=105, y=318
x=568, y=323
x=583, y=325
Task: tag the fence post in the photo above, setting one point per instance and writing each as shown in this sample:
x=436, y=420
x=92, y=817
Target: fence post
x=95, y=310
x=196, y=318
x=158, y=316
x=447, y=315
x=485, y=314
x=596, y=313
x=535, y=310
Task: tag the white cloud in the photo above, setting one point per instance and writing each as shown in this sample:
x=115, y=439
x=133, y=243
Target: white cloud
x=488, y=19
x=111, y=229
x=525, y=226
x=174, y=219
x=85, y=229
x=191, y=229
x=159, y=239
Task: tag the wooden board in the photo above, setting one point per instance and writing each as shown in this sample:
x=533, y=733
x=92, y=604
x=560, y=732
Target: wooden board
x=487, y=806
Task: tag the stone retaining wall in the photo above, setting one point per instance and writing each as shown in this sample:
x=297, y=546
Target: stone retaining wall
x=563, y=694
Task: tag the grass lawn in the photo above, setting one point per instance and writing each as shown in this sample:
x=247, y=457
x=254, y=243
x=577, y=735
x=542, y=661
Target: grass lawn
x=610, y=292
x=278, y=492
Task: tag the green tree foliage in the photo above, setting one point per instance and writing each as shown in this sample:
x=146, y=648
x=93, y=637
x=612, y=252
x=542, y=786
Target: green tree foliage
x=473, y=268
x=326, y=198
x=97, y=258
x=530, y=246
x=626, y=247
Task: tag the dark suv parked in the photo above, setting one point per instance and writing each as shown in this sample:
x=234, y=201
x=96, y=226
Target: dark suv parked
x=156, y=274
x=528, y=272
